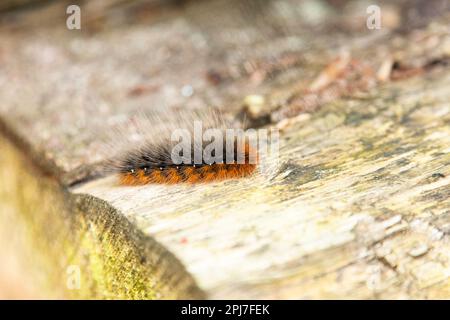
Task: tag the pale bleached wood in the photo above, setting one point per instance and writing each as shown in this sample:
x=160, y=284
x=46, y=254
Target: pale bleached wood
x=358, y=210
x=359, y=207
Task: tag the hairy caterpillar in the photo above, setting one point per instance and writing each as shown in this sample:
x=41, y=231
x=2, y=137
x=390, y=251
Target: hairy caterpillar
x=151, y=165
x=146, y=155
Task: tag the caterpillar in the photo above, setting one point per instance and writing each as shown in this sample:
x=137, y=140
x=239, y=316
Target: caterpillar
x=147, y=155
x=151, y=165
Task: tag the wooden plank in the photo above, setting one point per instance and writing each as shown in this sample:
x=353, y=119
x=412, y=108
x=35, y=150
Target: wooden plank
x=357, y=208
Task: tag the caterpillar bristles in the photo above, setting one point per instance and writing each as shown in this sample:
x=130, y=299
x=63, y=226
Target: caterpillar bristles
x=146, y=151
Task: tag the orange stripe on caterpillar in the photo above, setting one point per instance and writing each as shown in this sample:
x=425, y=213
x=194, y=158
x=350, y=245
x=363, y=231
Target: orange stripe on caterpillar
x=187, y=174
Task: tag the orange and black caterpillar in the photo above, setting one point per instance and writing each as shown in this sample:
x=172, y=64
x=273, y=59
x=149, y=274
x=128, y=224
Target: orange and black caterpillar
x=153, y=165
x=149, y=161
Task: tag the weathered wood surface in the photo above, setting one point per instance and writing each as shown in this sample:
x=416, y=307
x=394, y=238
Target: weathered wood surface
x=359, y=206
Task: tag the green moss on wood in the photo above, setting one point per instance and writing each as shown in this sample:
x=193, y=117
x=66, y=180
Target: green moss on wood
x=115, y=260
